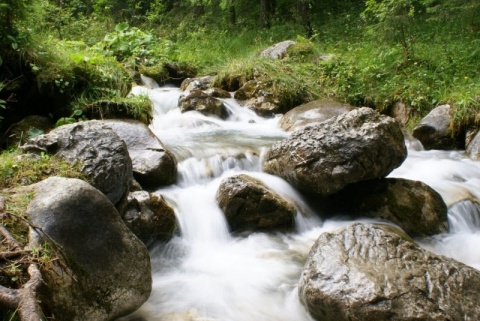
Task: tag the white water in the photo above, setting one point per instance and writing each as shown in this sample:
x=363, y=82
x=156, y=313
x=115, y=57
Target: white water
x=206, y=273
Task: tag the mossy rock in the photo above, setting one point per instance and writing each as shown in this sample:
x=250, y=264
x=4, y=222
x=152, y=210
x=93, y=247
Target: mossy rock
x=158, y=73
x=303, y=50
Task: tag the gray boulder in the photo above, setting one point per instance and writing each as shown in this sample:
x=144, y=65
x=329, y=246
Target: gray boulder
x=102, y=154
x=372, y=272
x=148, y=216
x=199, y=101
x=312, y=113
x=250, y=205
x=153, y=165
x=434, y=130
x=277, y=51
x=326, y=157
x=414, y=206
x=103, y=271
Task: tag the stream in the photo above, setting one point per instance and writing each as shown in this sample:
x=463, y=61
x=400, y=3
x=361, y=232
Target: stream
x=205, y=273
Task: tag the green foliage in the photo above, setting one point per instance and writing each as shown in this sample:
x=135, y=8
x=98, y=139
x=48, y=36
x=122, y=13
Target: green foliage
x=20, y=170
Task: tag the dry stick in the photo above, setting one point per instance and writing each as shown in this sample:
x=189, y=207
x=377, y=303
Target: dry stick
x=13, y=254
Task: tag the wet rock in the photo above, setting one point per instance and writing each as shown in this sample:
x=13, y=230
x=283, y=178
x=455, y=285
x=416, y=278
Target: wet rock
x=414, y=206
x=434, y=130
x=261, y=97
x=149, y=216
x=201, y=83
x=277, y=51
x=250, y=205
x=312, y=113
x=372, y=272
x=153, y=165
x=324, y=158
x=104, y=270
x=218, y=93
x=103, y=155
x=199, y=101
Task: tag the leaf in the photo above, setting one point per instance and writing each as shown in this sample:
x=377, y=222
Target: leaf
x=121, y=27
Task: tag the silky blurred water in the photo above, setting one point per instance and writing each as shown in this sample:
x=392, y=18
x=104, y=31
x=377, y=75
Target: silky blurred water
x=206, y=273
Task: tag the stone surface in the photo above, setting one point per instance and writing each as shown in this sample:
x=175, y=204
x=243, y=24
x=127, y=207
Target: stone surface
x=373, y=272
x=401, y=112
x=199, y=101
x=148, y=216
x=312, y=113
x=260, y=96
x=103, y=155
x=277, y=51
x=250, y=205
x=473, y=148
x=434, y=130
x=153, y=165
x=324, y=158
x=104, y=270
x=200, y=83
x=414, y=206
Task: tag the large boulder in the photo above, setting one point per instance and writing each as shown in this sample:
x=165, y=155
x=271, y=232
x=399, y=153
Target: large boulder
x=153, y=165
x=102, y=154
x=414, y=206
x=312, y=113
x=199, y=101
x=372, y=272
x=148, y=216
x=435, y=131
x=326, y=157
x=103, y=271
x=250, y=205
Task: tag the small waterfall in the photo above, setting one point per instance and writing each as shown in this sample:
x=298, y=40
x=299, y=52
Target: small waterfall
x=464, y=216
x=207, y=274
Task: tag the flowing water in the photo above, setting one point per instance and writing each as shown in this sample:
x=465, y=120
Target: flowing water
x=206, y=273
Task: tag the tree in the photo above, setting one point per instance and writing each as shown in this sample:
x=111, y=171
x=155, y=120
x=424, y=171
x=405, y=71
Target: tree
x=393, y=21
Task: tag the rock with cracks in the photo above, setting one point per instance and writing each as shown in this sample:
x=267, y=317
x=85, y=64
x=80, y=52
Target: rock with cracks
x=199, y=101
x=250, y=205
x=104, y=270
x=102, y=154
x=324, y=158
x=153, y=165
x=373, y=272
x=148, y=216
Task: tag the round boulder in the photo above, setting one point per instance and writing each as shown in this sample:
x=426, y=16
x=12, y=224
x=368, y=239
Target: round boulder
x=104, y=269
x=199, y=101
x=324, y=158
x=250, y=205
x=473, y=148
x=312, y=113
x=372, y=272
x=102, y=154
x=200, y=83
x=153, y=165
x=414, y=206
x=260, y=96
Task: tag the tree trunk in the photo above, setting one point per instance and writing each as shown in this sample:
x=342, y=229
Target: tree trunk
x=304, y=8
x=266, y=10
